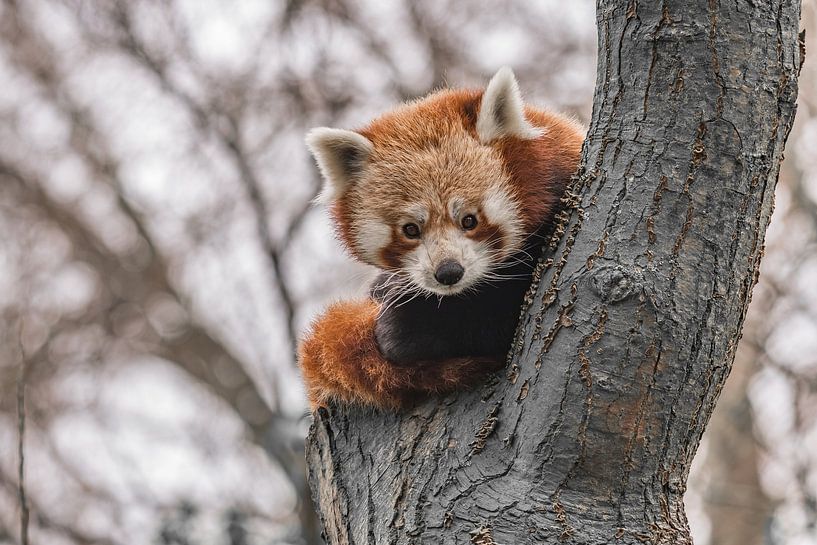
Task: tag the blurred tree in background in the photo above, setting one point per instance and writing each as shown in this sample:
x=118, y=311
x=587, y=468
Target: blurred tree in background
x=159, y=255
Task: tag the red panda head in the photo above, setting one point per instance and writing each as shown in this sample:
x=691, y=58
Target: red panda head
x=446, y=189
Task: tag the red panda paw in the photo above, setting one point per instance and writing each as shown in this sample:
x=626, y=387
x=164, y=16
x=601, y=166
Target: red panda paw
x=340, y=361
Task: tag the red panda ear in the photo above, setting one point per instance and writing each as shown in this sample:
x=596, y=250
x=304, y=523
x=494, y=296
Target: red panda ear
x=502, y=112
x=341, y=156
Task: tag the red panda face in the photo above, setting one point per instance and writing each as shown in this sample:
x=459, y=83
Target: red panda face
x=444, y=216
x=442, y=191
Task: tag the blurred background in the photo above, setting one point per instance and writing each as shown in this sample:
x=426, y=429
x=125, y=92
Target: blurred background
x=159, y=257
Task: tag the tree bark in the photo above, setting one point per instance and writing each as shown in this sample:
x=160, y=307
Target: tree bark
x=627, y=339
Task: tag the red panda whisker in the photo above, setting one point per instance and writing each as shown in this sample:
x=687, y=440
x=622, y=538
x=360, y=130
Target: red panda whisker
x=399, y=290
x=492, y=250
x=417, y=294
x=495, y=251
x=535, y=234
x=389, y=304
x=511, y=263
x=503, y=276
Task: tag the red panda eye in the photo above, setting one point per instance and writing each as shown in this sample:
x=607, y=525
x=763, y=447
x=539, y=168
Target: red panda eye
x=411, y=230
x=469, y=222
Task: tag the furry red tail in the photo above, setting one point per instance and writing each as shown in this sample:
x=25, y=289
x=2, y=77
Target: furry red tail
x=340, y=361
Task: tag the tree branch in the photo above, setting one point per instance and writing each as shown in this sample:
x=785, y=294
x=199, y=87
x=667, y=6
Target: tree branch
x=21, y=434
x=193, y=350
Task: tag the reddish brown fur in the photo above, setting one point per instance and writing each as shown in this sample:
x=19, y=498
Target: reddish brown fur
x=487, y=232
x=419, y=125
x=533, y=166
x=400, y=245
x=340, y=361
x=546, y=162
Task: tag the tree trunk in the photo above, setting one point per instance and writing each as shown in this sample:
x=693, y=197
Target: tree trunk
x=625, y=344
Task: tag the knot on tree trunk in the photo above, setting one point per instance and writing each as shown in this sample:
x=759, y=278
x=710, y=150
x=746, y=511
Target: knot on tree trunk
x=614, y=283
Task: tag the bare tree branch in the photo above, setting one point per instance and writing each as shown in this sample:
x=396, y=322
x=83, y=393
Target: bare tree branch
x=194, y=350
x=21, y=434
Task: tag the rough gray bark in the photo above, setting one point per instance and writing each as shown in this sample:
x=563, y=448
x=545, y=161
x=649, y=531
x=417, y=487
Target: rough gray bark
x=587, y=437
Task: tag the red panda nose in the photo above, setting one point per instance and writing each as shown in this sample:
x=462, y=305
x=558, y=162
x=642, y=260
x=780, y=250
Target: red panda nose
x=449, y=272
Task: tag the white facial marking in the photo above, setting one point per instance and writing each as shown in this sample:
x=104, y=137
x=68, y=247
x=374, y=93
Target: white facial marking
x=501, y=210
x=416, y=214
x=455, y=206
x=370, y=237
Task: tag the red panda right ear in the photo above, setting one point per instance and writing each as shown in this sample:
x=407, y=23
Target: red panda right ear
x=502, y=112
x=341, y=156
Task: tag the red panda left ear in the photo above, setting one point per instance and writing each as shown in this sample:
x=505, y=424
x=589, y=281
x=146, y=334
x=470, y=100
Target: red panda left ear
x=502, y=112
x=341, y=156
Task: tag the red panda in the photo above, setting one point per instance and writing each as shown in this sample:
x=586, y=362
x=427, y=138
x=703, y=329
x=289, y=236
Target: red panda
x=449, y=196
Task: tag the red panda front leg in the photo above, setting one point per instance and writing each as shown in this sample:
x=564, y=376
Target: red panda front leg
x=340, y=361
